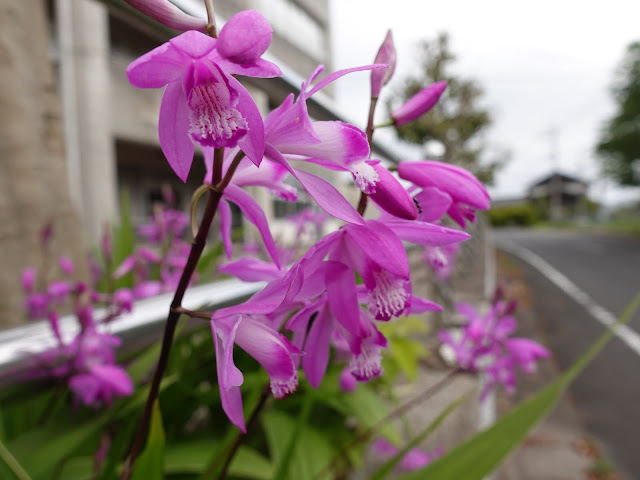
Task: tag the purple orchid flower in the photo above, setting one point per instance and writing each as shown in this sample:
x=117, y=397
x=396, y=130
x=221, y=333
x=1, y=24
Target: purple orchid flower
x=465, y=191
x=290, y=134
x=441, y=259
x=202, y=101
x=483, y=345
x=272, y=350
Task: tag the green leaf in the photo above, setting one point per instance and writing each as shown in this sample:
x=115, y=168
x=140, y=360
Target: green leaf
x=150, y=464
x=481, y=454
x=43, y=449
x=369, y=408
x=428, y=430
x=78, y=468
x=303, y=418
x=209, y=257
x=312, y=452
x=123, y=241
x=406, y=356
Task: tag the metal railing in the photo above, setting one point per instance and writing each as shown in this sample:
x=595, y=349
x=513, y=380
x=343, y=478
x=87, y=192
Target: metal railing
x=143, y=325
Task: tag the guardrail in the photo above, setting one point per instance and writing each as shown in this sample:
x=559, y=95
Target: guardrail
x=143, y=325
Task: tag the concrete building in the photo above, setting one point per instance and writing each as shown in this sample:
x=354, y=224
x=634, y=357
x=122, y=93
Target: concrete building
x=110, y=127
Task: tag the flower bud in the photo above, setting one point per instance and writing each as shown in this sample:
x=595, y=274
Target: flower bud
x=391, y=196
x=28, y=279
x=66, y=265
x=386, y=54
x=245, y=37
x=419, y=104
x=166, y=13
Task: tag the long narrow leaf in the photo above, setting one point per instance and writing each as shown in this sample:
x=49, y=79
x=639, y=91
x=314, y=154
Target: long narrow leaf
x=482, y=454
x=151, y=462
x=428, y=430
x=303, y=417
x=12, y=464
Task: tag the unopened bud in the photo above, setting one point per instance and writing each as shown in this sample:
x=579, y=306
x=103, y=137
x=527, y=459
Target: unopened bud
x=386, y=54
x=166, y=13
x=419, y=104
x=245, y=37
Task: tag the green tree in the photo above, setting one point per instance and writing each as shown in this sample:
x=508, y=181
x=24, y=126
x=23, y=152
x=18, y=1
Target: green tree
x=619, y=145
x=458, y=122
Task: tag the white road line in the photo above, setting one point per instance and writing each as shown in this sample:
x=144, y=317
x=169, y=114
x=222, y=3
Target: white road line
x=630, y=337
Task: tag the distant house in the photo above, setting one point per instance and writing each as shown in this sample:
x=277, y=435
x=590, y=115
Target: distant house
x=562, y=195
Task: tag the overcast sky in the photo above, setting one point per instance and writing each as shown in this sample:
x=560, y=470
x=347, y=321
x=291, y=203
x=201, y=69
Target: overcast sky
x=544, y=65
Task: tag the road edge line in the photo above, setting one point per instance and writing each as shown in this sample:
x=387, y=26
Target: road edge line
x=628, y=336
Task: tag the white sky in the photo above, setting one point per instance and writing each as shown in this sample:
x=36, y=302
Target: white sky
x=543, y=65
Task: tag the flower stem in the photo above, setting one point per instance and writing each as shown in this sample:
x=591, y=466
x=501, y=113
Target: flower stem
x=230, y=171
x=370, y=126
x=197, y=248
x=362, y=204
x=211, y=28
x=195, y=313
x=389, y=123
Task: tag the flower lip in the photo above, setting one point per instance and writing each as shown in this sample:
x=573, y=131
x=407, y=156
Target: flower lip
x=213, y=117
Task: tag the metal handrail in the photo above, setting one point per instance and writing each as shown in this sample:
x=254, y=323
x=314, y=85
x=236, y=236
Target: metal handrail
x=142, y=324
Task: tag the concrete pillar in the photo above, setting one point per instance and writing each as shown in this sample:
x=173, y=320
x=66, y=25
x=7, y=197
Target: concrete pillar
x=83, y=39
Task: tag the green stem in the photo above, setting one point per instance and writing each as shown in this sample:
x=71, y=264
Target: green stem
x=211, y=28
x=12, y=463
x=389, y=123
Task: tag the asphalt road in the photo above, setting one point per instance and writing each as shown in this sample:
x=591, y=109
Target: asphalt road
x=607, y=269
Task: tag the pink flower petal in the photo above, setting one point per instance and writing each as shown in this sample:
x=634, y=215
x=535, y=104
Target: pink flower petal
x=225, y=227
x=433, y=204
x=252, y=270
x=424, y=233
x=251, y=144
x=317, y=347
x=457, y=182
x=254, y=214
x=340, y=143
x=161, y=66
x=325, y=194
x=193, y=44
x=229, y=377
x=173, y=128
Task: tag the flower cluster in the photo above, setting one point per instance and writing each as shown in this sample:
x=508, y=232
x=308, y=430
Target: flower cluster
x=484, y=344
x=87, y=362
x=156, y=267
x=350, y=279
x=414, y=459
